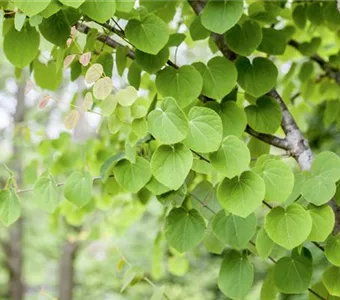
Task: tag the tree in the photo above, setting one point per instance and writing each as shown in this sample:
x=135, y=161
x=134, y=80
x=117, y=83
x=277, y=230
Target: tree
x=219, y=142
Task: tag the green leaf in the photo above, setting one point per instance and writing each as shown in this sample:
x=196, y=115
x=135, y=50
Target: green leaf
x=156, y=187
x=132, y=176
x=46, y=193
x=219, y=16
x=98, y=10
x=56, y=29
x=331, y=280
x=168, y=123
x=150, y=34
x=205, y=130
x=258, y=77
x=292, y=275
x=152, y=63
x=265, y=116
x=244, y=39
x=320, y=289
x=232, y=158
x=314, y=13
x=106, y=169
x=127, y=96
x=327, y=165
x=289, y=227
x=19, y=20
x=236, y=275
x=21, y=47
x=234, y=119
x=234, y=230
x=176, y=39
x=102, y=88
x=278, y=178
x=219, y=77
x=72, y=3
x=184, y=84
x=47, y=76
x=78, y=188
x=269, y=290
x=212, y=244
x=184, y=229
x=332, y=250
x=273, y=41
x=197, y=30
x=241, y=195
x=264, y=244
x=108, y=105
x=31, y=8
x=318, y=190
x=323, y=220
x=300, y=16
x=9, y=207
x=332, y=112
x=170, y=165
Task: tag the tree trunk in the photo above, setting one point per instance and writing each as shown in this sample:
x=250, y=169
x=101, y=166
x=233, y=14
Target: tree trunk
x=66, y=269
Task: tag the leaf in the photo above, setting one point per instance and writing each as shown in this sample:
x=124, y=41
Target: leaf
x=184, y=229
x=205, y=130
x=71, y=119
x=236, y=275
x=178, y=265
x=72, y=3
x=289, y=227
x=31, y=8
x=46, y=193
x=132, y=176
x=318, y=190
x=258, y=77
x=152, y=63
x=264, y=244
x=323, y=220
x=168, y=124
x=19, y=20
x=265, y=116
x=127, y=96
x=234, y=119
x=43, y=101
x=158, y=294
x=170, y=165
x=102, y=88
x=68, y=60
x=234, y=230
x=47, y=76
x=269, y=290
x=78, y=188
x=197, y=30
x=183, y=84
x=132, y=275
x=107, y=167
x=219, y=16
x=150, y=34
x=21, y=47
x=85, y=58
x=299, y=16
x=273, y=41
x=108, y=105
x=156, y=187
x=94, y=73
x=327, y=165
x=232, y=158
x=219, y=77
x=88, y=101
x=292, y=275
x=331, y=280
x=244, y=39
x=9, y=207
x=332, y=250
x=241, y=195
x=98, y=10
x=278, y=178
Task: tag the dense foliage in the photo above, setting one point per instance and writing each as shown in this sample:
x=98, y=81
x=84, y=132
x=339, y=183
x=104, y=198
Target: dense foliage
x=216, y=139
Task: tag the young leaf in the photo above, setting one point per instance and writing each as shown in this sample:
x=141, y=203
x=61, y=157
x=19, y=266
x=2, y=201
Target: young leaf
x=327, y=165
x=184, y=84
x=46, y=193
x=241, y=195
x=9, y=207
x=184, y=229
x=288, y=227
x=232, y=158
x=168, y=123
x=132, y=176
x=127, y=96
x=71, y=119
x=323, y=220
x=78, y=188
x=205, y=130
x=236, y=275
x=102, y=88
x=94, y=73
x=170, y=165
x=234, y=230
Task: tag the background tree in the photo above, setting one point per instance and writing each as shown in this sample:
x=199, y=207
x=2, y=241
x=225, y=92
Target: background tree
x=192, y=116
